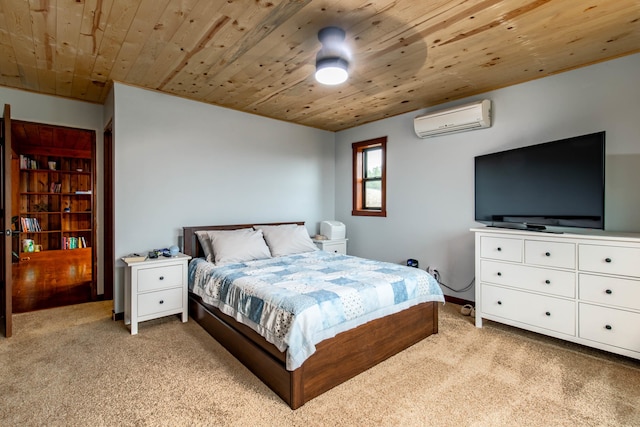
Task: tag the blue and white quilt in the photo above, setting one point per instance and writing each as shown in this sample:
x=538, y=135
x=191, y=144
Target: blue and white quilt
x=299, y=300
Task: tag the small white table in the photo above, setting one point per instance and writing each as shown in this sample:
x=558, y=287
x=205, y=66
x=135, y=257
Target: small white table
x=155, y=288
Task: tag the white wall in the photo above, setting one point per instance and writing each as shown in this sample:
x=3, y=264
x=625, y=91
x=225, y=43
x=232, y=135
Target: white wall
x=430, y=181
x=53, y=110
x=183, y=163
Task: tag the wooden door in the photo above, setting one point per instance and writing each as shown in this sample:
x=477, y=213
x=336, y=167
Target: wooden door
x=5, y=218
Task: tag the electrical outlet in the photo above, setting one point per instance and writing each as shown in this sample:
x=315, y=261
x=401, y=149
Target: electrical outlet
x=435, y=273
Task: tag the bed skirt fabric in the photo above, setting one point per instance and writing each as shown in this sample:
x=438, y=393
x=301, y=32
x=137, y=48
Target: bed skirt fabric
x=297, y=301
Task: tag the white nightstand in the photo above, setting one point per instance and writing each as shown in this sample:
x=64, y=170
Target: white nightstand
x=155, y=288
x=338, y=246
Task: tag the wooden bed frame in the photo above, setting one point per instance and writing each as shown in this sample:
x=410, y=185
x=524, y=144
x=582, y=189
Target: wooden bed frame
x=336, y=359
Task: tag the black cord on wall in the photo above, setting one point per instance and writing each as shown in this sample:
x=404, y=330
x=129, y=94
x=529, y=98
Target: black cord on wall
x=436, y=275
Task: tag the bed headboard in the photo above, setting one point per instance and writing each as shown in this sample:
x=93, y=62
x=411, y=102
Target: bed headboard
x=192, y=244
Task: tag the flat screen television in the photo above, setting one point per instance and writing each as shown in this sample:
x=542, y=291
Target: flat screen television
x=558, y=183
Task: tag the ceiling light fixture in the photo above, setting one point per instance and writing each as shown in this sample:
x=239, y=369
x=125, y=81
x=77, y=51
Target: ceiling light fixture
x=332, y=61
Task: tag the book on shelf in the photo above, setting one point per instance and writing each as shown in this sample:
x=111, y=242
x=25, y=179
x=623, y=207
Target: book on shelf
x=27, y=163
x=30, y=225
x=73, y=242
x=55, y=187
x=83, y=192
x=67, y=242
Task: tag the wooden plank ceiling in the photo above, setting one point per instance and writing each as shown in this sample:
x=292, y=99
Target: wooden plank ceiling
x=259, y=56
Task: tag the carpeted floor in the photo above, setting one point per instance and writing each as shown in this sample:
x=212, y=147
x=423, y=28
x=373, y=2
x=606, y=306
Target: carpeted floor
x=74, y=366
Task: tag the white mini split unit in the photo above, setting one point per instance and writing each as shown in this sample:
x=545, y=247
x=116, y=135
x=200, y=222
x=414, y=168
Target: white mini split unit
x=476, y=115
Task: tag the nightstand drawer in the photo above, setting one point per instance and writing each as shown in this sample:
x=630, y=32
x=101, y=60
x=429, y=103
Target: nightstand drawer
x=550, y=254
x=618, y=328
x=610, y=259
x=159, y=277
x=157, y=302
x=336, y=248
x=501, y=249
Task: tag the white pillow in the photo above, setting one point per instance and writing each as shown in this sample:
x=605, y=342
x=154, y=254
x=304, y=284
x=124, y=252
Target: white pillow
x=231, y=246
x=287, y=239
x=203, y=238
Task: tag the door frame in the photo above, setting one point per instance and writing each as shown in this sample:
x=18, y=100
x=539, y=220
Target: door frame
x=109, y=227
x=94, y=196
x=6, y=311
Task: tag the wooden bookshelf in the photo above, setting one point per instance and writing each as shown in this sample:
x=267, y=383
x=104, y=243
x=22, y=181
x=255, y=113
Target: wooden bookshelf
x=56, y=200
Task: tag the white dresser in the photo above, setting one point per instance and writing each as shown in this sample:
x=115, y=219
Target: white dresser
x=155, y=288
x=583, y=288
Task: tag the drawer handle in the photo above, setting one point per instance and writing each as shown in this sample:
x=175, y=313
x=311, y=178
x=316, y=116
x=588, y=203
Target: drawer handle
x=547, y=254
x=499, y=302
x=499, y=274
x=547, y=313
x=607, y=260
x=548, y=282
x=161, y=277
x=608, y=327
x=499, y=249
x=608, y=292
x=161, y=301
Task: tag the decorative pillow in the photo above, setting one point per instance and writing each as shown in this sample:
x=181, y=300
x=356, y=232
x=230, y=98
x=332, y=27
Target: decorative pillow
x=231, y=246
x=203, y=238
x=287, y=239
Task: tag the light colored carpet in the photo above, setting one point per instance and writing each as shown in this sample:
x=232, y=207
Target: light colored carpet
x=75, y=366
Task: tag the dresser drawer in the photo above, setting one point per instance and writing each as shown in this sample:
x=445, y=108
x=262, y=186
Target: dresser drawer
x=159, y=301
x=550, y=254
x=536, y=310
x=609, y=259
x=618, y=328
x=610, y=290
x=553, y=282
x=501, y=248
x=159, y=277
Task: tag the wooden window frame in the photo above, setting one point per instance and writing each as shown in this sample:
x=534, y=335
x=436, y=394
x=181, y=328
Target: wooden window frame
x=358, y=149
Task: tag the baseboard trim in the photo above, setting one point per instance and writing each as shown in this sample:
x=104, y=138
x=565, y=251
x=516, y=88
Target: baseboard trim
x=456, y=300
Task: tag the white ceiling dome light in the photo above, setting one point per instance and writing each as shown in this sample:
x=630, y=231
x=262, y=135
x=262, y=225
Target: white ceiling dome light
x=332, y=61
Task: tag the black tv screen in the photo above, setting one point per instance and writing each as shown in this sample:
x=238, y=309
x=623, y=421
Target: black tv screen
x=559, y=183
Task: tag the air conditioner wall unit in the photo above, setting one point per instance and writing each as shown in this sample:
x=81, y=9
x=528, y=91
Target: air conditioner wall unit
x=476, y=115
